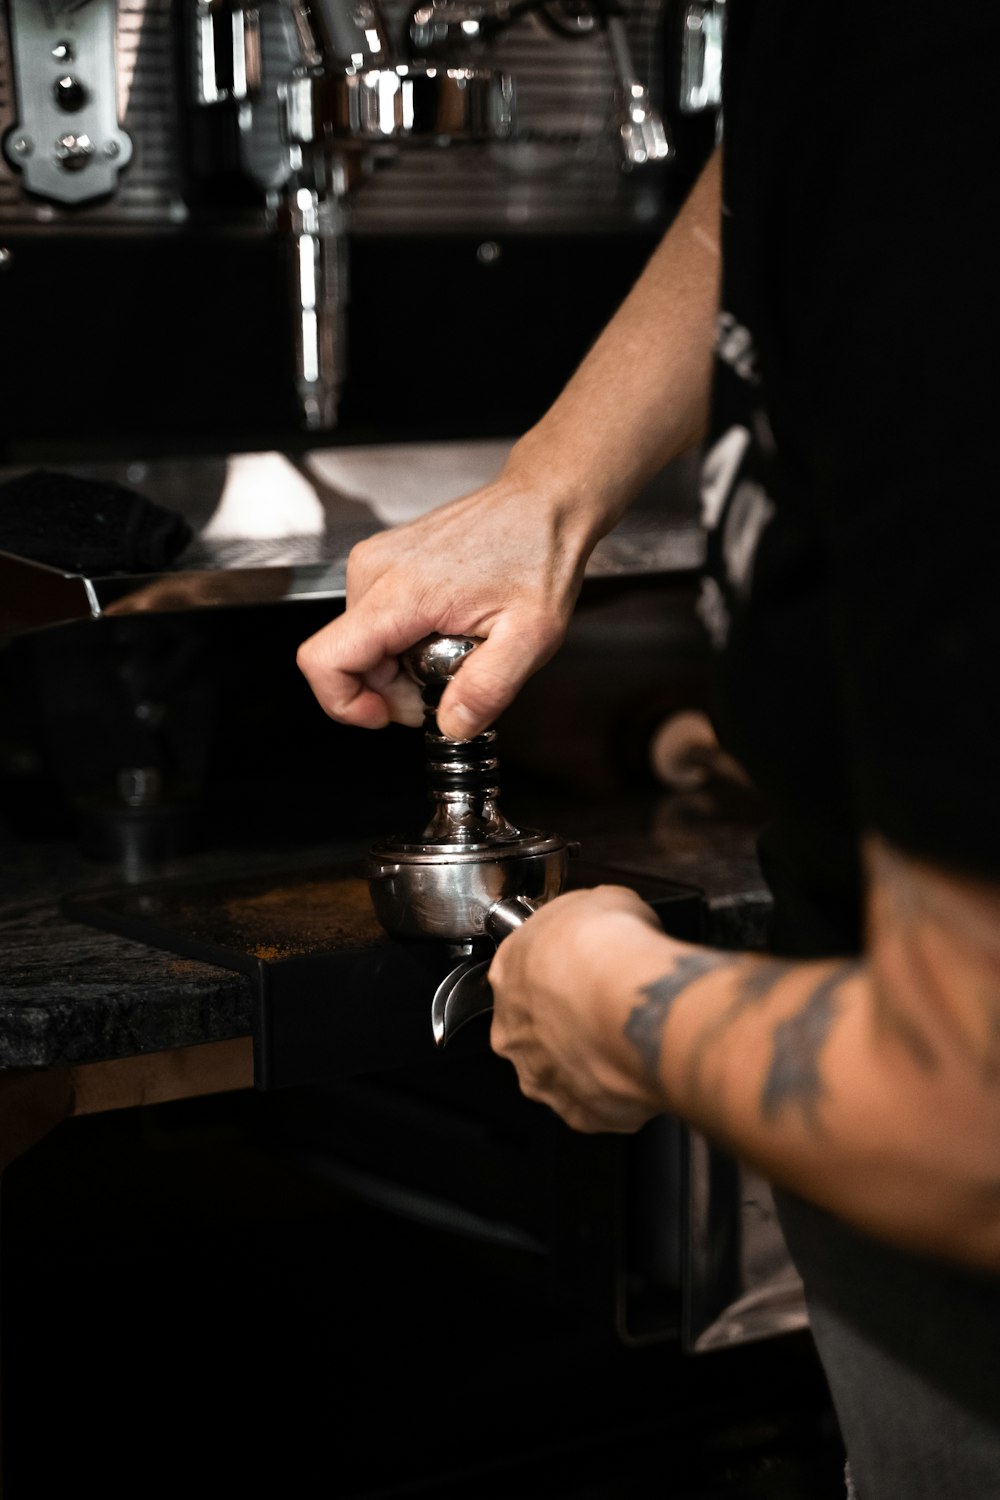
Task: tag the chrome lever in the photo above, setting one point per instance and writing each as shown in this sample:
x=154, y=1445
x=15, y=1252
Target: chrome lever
x=229, y=51
x=642, y=132
x=704, y=27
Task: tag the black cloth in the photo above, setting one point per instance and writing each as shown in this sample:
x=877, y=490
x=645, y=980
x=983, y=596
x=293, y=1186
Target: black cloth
x=860, y=188
x=854, y=539
x=87, y=526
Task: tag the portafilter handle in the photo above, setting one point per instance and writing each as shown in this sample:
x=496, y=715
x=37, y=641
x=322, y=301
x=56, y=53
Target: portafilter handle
x=506, y=916
x=465, y=992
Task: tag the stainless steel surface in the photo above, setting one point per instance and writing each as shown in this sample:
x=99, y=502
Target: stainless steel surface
x=507, y=916
x=73, y=152
x=459, y=998
x=350, y=33
x=460, y=773
x=244, y=60
x=228, y=50
x=466, y=992
x=270, y=81
x=301, y=106
x=642, y=133
x=269, y=529
x=461, y=995
x=447, y=897
x=422, y=101
x=314, y=222
x=454, y=28
x=66, y=166
x=560, y=171
x=323, y=85
x=437, y=658
x=341, y=93
x=449, y=28
x=701, y=56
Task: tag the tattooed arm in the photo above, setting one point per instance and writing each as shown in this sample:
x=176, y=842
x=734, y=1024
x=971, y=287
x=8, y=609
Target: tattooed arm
x=871, y=1087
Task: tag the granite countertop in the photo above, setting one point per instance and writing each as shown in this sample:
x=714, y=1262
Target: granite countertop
x=71, y=993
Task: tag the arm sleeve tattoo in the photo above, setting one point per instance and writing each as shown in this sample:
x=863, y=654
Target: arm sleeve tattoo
x=793, y=1076
x=644, y=1027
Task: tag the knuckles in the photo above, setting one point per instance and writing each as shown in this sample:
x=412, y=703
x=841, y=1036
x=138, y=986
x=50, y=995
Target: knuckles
x=305, y=659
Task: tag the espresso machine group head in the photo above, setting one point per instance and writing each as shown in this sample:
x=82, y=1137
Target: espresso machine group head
x=320, y=92
x=471, y=877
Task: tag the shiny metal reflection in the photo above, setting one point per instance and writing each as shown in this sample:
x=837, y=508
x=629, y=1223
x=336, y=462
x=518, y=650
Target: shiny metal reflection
x=420, y=101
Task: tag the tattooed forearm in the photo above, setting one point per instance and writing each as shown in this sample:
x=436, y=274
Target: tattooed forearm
x=794, y=1076
x=644, y=1027
x=755, y=984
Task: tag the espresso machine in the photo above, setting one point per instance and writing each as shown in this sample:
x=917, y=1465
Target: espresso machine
x=332, y=196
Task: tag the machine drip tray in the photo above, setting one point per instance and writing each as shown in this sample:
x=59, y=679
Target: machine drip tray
x=333, y=994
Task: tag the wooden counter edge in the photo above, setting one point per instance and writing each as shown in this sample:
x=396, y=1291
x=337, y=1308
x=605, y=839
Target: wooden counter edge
x=34, y=1100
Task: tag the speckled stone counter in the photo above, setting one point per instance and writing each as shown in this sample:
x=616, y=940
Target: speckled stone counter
x=72, y=994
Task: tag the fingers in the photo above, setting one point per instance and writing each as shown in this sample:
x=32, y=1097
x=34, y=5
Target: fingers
x=350, y=668
x=490, y=678
x=551, y=1007
x=402, y=698
x=403, y=584
x=399, y=693
x=581, y=909
x=542, y=950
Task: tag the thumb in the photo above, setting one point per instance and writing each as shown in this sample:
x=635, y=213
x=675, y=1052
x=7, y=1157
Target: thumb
x=491, y=676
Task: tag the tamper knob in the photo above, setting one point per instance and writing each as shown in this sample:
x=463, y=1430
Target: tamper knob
x=434, y=661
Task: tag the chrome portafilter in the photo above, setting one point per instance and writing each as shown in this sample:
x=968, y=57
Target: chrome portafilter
x=471, y=877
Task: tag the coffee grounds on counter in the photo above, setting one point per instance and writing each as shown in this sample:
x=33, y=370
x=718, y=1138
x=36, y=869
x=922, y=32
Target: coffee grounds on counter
x=87, y=526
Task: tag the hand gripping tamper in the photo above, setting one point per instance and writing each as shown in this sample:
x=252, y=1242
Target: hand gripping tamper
x=471, y=877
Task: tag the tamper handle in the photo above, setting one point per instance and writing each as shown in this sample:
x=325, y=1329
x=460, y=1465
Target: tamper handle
x=433, y=662
x=461, y=773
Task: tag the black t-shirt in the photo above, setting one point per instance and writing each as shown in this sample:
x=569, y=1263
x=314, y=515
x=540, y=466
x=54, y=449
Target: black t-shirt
x=851, y=484
x=853, y=584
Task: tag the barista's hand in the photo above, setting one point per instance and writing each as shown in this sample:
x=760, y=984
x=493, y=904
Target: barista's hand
x=504, y=563
x=560, y=1009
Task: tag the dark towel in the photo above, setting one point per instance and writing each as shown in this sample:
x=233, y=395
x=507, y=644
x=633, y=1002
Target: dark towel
x=88, y=526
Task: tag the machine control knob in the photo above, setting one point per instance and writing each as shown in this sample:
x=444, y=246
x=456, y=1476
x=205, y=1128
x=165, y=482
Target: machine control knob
x=74, y=151
x=433, y=662
x=70, y=93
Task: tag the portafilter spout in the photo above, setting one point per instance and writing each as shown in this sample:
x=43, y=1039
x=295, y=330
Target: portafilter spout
x=471, y=877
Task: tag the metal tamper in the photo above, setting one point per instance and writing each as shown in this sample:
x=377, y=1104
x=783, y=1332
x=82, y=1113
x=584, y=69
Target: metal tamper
x=471, y=877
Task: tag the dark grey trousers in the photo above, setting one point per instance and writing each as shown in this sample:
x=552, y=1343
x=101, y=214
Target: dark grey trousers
x=911, y=1351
